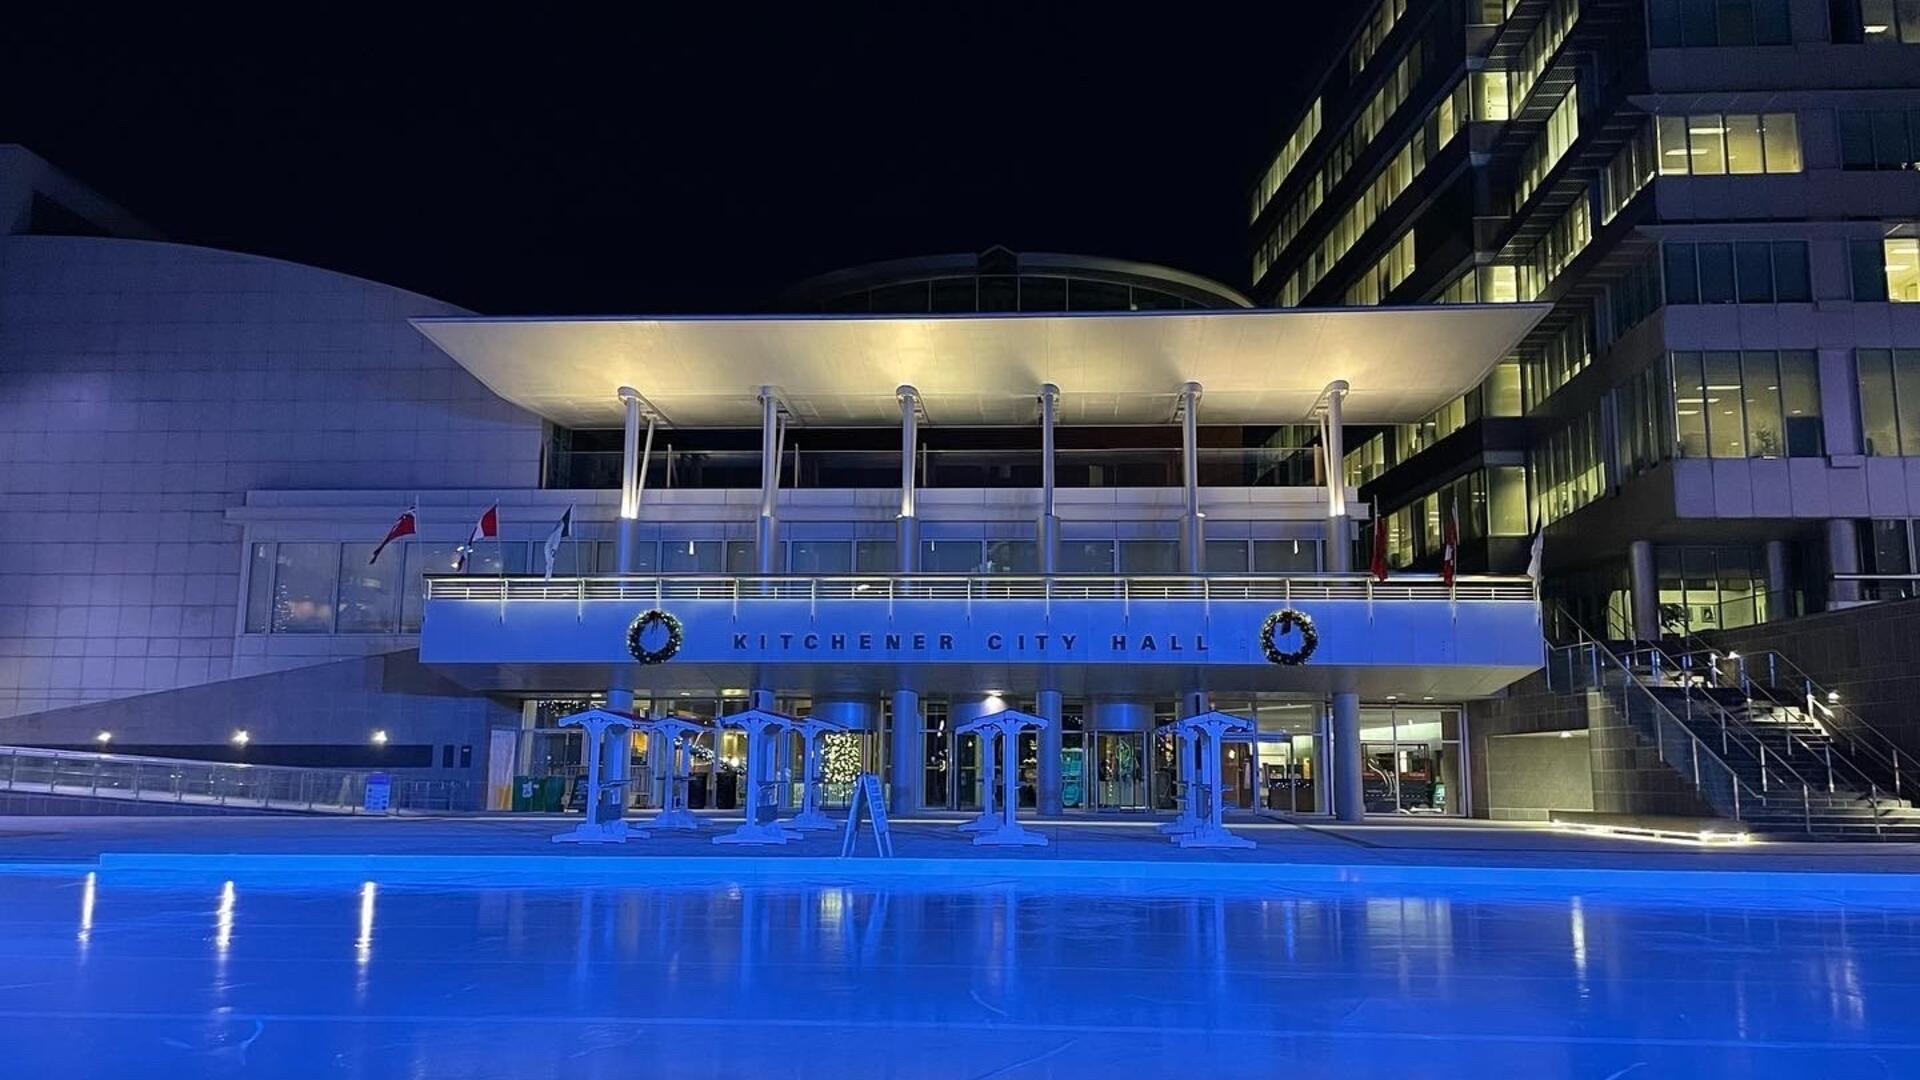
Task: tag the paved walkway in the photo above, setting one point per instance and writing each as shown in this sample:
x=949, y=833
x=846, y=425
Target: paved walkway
x=82, y=840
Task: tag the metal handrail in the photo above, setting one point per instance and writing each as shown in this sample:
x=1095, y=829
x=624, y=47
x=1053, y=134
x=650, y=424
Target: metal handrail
x=217, y=783
x=1599, y=652
x=1734, y=729
x=971, y=587
x=1822, y=707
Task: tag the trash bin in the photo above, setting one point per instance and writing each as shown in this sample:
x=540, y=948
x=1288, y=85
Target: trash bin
x=526, y=794
x=553, y=794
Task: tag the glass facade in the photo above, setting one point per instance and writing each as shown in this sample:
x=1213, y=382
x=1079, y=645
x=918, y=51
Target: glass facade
x=1747, y=404
x=1695, y=23
x=1715, y=144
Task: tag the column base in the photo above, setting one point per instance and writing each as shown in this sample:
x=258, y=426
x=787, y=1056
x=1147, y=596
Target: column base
x=1005, y=835
x=599, y=832
x=676, y=820
x=1213, y=836
x=811, y=819
x=769, y=833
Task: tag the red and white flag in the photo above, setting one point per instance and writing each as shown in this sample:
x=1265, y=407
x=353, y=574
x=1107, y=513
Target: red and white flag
x=487, y=528
x=1450, y=555
x=406, y=526
x=1379, y=566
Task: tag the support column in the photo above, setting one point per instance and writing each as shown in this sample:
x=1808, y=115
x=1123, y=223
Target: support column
x=1193, y=546
x=1349, y=791
x=767, y=536
x=1048, y=706
x=905, y=763
x=1339, y=544
x=618, y=764
x=1643, y=587
x=1779, y=556
x=1843, y=557
x=908, y=521
x=1049, y=531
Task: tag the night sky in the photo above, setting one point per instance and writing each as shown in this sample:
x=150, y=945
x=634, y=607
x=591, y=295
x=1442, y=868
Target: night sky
x=694, y=161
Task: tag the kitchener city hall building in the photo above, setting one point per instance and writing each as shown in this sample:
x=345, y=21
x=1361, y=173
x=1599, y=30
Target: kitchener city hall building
x=923, y=491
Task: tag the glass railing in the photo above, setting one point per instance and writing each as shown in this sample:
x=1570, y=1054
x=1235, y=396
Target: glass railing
x=212, y=783
x=984, y=468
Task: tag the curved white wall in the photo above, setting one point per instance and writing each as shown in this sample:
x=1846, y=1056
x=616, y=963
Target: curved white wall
x=144, y=389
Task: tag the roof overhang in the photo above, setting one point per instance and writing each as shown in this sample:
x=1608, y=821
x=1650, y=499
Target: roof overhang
x=1256, y=367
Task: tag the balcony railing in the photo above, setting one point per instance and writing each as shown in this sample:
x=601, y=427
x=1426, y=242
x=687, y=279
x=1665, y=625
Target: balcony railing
x=966, y=589
x=982, y=468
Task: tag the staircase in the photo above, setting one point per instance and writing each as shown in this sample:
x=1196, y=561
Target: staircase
x=1760, y=744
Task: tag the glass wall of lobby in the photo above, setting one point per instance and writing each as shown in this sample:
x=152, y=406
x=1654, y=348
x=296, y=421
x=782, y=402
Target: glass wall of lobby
x=1111, y=759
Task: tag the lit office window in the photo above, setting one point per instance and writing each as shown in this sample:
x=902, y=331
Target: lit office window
x=1717, y=144
x=1563, y=127
x=1889, y=381
x=1747, y=404
x=1492, y=99
x=1692, y=23
x=1876, y=22
x=1507, y=501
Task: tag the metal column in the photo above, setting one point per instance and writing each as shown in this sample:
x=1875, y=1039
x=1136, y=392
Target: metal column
x=1339, y=547
x=904, y=726
x=1193, y=549
x=908, y=522
x=1349, y=771
x=1048, y=705
x=767, y=537
x=1643, y=590
x=1049, y=520
x=1843, y=557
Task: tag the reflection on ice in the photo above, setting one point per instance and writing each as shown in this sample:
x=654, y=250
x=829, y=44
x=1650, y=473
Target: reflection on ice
x=961, y=978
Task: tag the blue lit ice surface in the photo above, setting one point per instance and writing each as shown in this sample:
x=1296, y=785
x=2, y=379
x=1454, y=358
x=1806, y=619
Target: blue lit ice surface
x=104, y=977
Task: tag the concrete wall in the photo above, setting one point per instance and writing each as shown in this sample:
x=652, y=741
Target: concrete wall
x=1626, y=773
x=1869, y=654
x=1529, y=776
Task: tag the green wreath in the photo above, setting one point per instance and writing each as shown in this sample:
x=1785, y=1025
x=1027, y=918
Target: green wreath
x=645, y=621
x=1284, y=621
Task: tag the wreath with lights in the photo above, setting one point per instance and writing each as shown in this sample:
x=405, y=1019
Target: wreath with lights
x=1285, y=621
x=645, y=621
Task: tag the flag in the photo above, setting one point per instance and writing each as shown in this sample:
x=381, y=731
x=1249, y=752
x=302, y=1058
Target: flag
x=1450, y=553
x=1379, y=566
x=1536, y=562
x=406, y=526
x=562, y=529
x=487, y=528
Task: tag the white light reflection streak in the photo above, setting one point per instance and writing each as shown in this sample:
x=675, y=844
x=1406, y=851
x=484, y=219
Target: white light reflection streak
x=1577, y=917
x=223, y=920
x=363, y=945
x=87, y=892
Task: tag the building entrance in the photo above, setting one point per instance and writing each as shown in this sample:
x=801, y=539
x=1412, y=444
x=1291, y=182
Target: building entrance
x=1120, y=762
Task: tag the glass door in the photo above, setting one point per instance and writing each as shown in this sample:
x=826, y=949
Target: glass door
x=1121, y=780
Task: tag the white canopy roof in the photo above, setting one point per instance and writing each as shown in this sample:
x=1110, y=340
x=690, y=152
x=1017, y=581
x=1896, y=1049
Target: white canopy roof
x=1256, y=367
